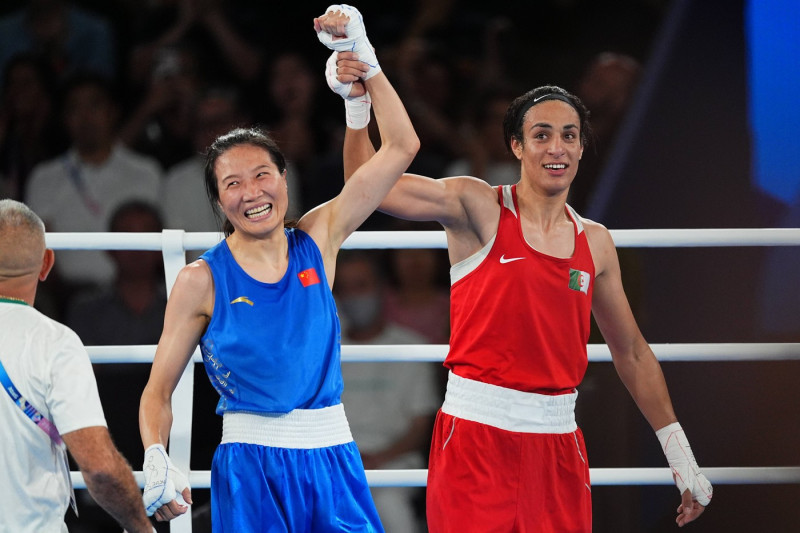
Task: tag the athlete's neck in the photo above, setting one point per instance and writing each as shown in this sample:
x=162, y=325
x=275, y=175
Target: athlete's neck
x=13, y=299
x=264, y=259
x=543, y=212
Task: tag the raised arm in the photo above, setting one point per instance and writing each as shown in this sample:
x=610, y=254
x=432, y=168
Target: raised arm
x=454, y=202
x=466, y=207
x=399, y=145
x=331, y=223
x=641, y=373
x=413, y=197
x=186, y=317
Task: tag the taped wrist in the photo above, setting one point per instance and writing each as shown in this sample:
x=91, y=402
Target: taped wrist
x=357, y=111
x=681, y=461
x=162, y=481
x=355, y=40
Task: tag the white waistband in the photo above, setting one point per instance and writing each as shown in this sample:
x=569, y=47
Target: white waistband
x=509, y=409
x=301, y=428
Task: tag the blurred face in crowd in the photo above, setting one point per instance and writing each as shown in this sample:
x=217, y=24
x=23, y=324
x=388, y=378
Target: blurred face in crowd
x=137, y=263
x=214, y=116
x=292, y=84
x=358, y=293
x=414, y=267
x=90, y=118
x=25, y=96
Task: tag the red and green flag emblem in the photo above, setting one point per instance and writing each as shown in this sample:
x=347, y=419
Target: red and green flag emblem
x=579, y=280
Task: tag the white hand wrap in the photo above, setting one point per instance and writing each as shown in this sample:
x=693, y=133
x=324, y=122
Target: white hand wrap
x=357, y=111
x=355, y=40
x=356, y=107
x=162, y=481
x=681, y=460
x=342, y=89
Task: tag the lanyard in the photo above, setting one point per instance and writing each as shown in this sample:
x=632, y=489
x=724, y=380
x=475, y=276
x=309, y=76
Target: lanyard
x=45, y=424
x=29, y=410
x=74, y=172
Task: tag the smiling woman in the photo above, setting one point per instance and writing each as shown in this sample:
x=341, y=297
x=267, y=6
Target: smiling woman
x=240, y=166
x=539, y=271
x=274, y=361
x=549, y=147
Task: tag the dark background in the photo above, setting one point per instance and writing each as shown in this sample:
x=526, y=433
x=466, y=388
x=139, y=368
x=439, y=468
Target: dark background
x=681, y=160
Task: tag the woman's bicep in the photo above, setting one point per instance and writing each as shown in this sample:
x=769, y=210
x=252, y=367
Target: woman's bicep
x=612, y=313
x=185, y=319
x=610, y=305
x=412, y=198
x=420, y=198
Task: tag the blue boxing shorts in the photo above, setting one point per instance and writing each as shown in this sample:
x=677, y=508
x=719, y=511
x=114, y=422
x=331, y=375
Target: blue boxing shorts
x=290, y=474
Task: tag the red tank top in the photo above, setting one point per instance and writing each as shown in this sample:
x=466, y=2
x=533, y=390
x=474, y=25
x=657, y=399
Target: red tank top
x=520, y=319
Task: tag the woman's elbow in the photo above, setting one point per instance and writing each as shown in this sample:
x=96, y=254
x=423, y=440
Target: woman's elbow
x=402, y=149
x=410, y=147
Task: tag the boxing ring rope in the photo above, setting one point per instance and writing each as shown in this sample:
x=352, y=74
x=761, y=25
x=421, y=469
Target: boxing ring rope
x=174, y=243
x=633, y=238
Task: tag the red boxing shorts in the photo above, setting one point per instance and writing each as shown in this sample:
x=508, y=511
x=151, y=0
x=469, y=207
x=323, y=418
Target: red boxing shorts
x=485, y=479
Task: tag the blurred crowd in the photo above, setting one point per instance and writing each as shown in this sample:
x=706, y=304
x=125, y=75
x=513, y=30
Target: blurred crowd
x=107, y=103
x=106, y=109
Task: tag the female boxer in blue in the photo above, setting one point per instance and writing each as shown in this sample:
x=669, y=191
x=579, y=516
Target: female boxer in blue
x=260, y=306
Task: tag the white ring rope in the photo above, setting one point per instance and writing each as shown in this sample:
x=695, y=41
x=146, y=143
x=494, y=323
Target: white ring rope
x=435, y=353
x=600, y=476
x=640, y=238
x=173, y=244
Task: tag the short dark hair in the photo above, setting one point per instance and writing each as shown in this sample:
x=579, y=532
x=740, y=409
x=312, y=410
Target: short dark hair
x=44, y=73
x=515, y=115
x=134, y=206
x=88, y=78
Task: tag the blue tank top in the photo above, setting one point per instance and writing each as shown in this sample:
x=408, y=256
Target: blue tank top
x=273, y=347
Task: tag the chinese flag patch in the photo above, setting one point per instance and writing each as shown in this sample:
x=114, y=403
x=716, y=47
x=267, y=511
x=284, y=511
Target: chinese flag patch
x=308, y=277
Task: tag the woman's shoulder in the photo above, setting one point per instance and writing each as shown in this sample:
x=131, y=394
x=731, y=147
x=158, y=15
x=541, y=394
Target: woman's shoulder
x=215, y=252
x=196, y=276
x=300, y=239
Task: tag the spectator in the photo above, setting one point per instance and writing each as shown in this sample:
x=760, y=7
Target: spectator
x=128, y=312
x=427, y=85
x=223, y=33
x=417, y=295
x=29, y=131
x=390, y=405
x=160, y=124
x=79, y=190
x=606, y=87
x=179, y=48
x=131, y=309
x=299, y=123
x=487, y=157
x=67, y=38
x=186, y=207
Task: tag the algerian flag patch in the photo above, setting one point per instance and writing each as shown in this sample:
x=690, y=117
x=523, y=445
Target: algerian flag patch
x=579, y=280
